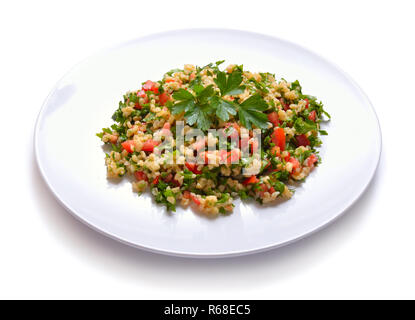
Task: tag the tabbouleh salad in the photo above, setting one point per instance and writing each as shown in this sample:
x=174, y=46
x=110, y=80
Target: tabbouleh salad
x=234, y=102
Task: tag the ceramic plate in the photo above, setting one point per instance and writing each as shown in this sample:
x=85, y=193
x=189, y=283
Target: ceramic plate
x=71, y=159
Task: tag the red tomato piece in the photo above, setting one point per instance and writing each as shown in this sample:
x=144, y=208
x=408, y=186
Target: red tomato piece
x=233, y=156
x=273, y=118
x=128, y=145
x=312, y=115
x=204, y=155
x=176, y=183
x=141, y=94
x=149, y=145
x=302, y=140
x=186, y=194
x=195, y=199
x=271, y=190
x=140, y=175
x=223, y=155
x=295, y=162
x=193, y=167
x=263, y=188
x=163, y=98
x=307, y=103
x=149, y=85
x=285, y=106
x=168, y=178
x=278, y=138
x=311, y=160
x=156, y=180
x=250, y=180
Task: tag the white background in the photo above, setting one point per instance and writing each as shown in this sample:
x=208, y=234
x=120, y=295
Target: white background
x=368, y=253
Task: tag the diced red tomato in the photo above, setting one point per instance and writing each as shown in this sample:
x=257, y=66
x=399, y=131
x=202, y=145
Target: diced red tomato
x=271, y=190
x=149, y=145
x=233, y=156
x=276, y=151
x=150, y=86
x=193, y=167
x=223, y=154
x=163, y=98
x=176, y=183
x=195, y=199
x=267, y=165
x=295, y=162
x=307, y=103
x=156, y=180
x=128, y=145
x=287, y=157
x=141, y=94
x=168, y=178
x=273, y=118
x=166, y=129
x=243, y=144
x=170, y=80
x=250, y=180
x=302, y=140
x=140, y=175
x=311, y=160
x=137, y=106
x=278, y=138
x=204, y=155
x=186, y=194
x=263, y=188
x=285, y=106
x=255, y=145
x=312, y=115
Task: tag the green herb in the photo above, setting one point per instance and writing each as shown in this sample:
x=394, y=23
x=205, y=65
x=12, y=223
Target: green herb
x=223, y=108
x=229, y=84
x=251, y=112
x=279, y=186
x=304, y=126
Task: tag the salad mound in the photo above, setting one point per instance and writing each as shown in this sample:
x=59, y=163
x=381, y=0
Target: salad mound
x=203, y=136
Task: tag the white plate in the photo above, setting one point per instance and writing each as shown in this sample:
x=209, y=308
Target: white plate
x=71, y=160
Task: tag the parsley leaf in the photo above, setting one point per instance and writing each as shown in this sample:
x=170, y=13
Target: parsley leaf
x=229, y=85
x=182, y=94
x=223, y=108
x=304, y=126
x=204, y=95
x=186, y=101
x=250, y=112
x=199, y=115
x=181, y=106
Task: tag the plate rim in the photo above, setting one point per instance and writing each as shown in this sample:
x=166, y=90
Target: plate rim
x=178, y=253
